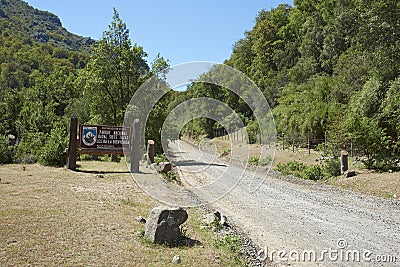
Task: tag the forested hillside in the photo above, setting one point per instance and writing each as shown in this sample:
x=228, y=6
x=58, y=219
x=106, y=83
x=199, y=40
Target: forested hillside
x=19, y=20
x=326, y=66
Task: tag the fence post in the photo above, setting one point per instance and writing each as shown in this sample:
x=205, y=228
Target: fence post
x=308, y=143
x=344, y=161
x=73, y=143
x=292, y=141
x=283, y=141
x=150, y=151
x=351, y=148
x=135, y=150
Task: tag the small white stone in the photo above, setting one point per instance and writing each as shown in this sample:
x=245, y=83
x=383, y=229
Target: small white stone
x=176, y=259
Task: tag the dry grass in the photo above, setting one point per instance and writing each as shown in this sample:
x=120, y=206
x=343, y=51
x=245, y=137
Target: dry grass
x=368, y=182
x=374, y=183
x=56, y=217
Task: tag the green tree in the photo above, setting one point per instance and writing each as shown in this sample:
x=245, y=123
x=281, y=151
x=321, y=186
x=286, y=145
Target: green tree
x=116, y=68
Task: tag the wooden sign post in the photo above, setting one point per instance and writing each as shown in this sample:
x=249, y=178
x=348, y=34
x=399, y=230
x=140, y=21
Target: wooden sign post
x=135, y=152
x=73, y=143
x=101, y=139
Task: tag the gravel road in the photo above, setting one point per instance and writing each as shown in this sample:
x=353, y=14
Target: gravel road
x=294, y=222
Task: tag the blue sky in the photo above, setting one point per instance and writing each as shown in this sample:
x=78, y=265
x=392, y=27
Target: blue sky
x=180, y=30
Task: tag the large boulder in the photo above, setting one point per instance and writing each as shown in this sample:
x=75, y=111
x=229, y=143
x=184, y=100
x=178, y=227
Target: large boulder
x=162, y=225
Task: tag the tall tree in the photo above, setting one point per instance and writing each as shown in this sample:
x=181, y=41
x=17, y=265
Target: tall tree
x=116, y=68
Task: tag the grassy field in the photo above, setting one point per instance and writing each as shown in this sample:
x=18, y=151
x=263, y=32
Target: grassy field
x=56, y=217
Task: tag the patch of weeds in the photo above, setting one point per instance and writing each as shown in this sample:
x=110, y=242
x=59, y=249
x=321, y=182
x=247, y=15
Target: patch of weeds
x=141, y=233
x=257, y=161
x=217, y=224
x=254, y=161
x=85, y=157
x=233, y=244
x=170, y=176
x=265, y=161
x=225, y=152
x=160, y=158
x=129, y=202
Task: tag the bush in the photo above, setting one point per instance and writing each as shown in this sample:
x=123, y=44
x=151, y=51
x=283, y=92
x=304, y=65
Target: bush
x=29, y=149
x=315, y=172
x=291, y=168
x=52, y=153
x=301, y=170
x=5, y=151
x=332, y=167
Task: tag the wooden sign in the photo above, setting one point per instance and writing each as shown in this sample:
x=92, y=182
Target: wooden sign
x=105, y=137
x=99, y=139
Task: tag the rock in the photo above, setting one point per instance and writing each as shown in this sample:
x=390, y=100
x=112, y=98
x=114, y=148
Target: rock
x=140, y=219
x=162, y=225
x=348, y=174
x=223, y=220
x=162, y=167
x=210, y=218
x=215, y=218
x=176, y=259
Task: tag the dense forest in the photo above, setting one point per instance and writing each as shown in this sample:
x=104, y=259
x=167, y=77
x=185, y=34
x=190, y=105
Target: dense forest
x=325, y=66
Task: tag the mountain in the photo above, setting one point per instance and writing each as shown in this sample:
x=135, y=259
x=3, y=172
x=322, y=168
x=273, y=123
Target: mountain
x=19, y=18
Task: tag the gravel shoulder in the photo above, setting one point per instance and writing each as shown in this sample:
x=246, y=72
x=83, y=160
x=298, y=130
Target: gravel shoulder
x=291, y=215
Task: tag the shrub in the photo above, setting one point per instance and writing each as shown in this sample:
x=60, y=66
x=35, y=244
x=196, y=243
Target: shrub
x=291, y=168
x=301, y=170
x=315, y=172
x=29, y=149
x=332, y=167
x=52, y=153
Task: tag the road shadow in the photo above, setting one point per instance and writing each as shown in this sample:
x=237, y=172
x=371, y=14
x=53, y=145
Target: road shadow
x=196, y=163
x=185, y=242
x=100, y=172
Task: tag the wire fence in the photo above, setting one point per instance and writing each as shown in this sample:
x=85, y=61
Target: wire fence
x=293, y=142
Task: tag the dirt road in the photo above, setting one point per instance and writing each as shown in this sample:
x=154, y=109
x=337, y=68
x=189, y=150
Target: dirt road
x=296, y=222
